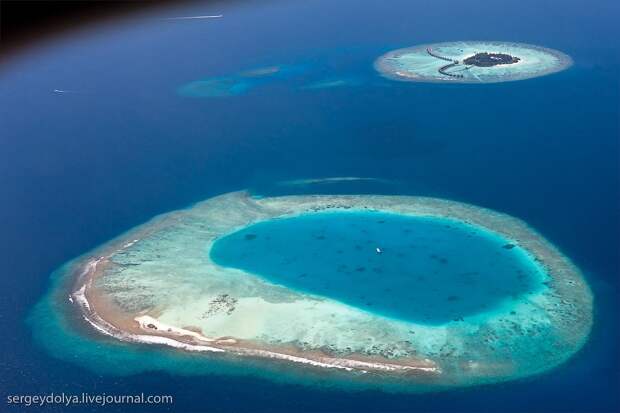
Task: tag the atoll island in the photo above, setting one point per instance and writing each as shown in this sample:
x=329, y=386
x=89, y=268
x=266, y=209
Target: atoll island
x=471, y=62
x=173, y=282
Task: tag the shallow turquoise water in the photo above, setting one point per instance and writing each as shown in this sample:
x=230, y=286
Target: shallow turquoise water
x=428, y=270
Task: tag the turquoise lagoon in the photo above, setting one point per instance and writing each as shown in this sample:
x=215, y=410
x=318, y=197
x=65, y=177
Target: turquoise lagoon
x=426, y=270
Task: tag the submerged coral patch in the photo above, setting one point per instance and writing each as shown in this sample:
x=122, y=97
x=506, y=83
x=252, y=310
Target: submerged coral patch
x=239, y=83
x=215, y=87
x=333, y=83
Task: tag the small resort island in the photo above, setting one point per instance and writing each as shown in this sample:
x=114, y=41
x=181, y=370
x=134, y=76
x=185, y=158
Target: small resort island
x=424, y=291
x=471, y=62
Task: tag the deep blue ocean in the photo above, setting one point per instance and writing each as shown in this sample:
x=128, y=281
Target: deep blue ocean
x=120, y=145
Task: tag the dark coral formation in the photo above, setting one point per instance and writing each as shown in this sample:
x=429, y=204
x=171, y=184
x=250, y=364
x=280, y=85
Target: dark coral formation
x=220, y=304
